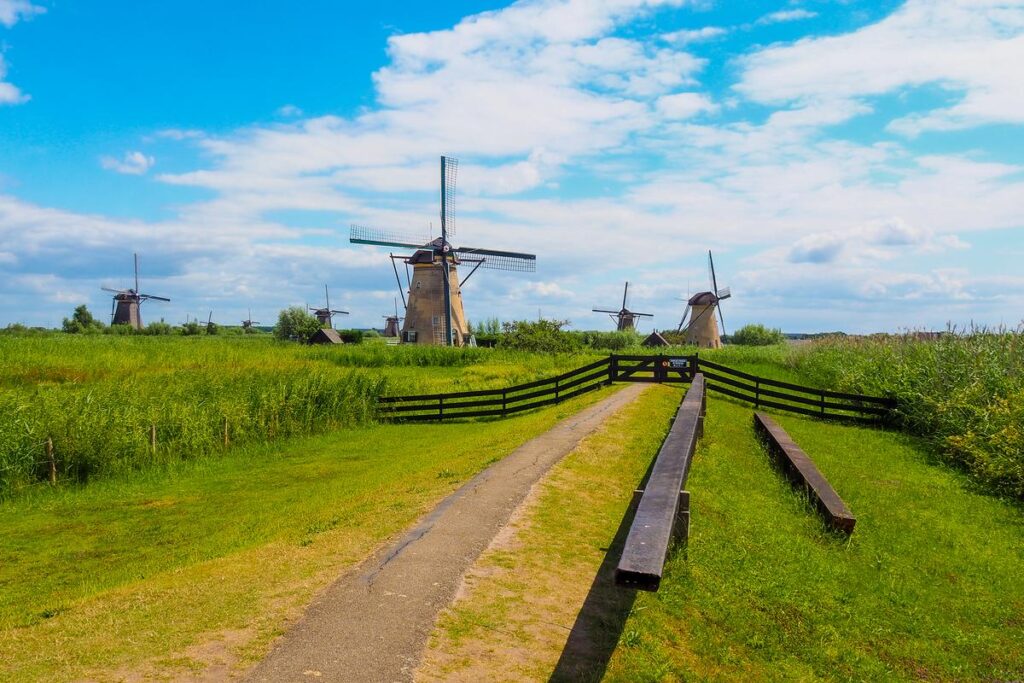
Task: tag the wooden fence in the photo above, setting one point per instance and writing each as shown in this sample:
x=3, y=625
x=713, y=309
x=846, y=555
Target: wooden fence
x=762, y=392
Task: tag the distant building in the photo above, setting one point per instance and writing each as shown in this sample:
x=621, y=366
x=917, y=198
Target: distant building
x=326, y=336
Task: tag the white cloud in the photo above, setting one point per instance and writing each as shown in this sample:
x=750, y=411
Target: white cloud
x=698, y=35
x=133, y=163
x=684, y=105
x=289, y=111
x=11, y=11
x=871, y=242
x=786, y=15
x=9, y=93
x=971, y=49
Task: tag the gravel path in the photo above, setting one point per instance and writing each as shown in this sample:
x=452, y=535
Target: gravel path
x=373, y=622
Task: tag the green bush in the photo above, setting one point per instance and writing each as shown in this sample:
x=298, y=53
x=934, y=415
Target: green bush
x=191, y=329
x=158, y=329
x=545, y=336
x=351, y=336
x=610, y=341
x=295, y=324
x=757, y=335
x=82, y=322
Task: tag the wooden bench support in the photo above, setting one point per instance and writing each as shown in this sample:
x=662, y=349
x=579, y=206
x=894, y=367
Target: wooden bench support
x=802, y=471
x=663, y=514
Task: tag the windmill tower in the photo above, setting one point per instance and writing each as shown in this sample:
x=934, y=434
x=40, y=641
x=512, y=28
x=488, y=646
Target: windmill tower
x=326, y=315
x=434, y=313
x=702, y=329
x=391, y=324
x=625, y=319
x=249, y=322
x=124, y=309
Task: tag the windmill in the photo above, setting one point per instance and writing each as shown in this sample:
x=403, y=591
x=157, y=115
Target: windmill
x=391, y=328
x=124, y=309
x=624, y=318
x=211, y=327
x=702, y=329
x=434, y=313
x=326, y=315
x=249, y=322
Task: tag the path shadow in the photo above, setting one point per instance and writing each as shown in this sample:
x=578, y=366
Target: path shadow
x=599, y=624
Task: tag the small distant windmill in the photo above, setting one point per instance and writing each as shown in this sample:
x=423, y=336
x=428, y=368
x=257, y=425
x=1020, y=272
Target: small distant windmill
x=434, y=314
x=249, y=322
x=702, y=329
x=211, y=327
x=124, y=309
x=326, y=315
x=624, y=318
x=391, y=328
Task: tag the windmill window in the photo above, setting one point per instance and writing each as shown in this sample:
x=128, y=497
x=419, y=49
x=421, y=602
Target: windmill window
x=436, y=320
x=410, y=336
x=418, y=284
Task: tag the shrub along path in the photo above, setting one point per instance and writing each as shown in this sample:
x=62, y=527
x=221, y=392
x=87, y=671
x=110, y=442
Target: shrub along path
x=927, y=588
x=375, y=620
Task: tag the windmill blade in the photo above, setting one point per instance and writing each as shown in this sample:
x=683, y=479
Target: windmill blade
x=113, y=303
x=449, y=169
x=502, y=260
x=115, y=291
x=711, y=270
x=136, y=272
x=385, y=238
x=719, y=307
x=637, y=315
x=340, y=312
x=725, y=293
x=625, y=293
x=601, y=310
x=682, y=321
x=153, y=296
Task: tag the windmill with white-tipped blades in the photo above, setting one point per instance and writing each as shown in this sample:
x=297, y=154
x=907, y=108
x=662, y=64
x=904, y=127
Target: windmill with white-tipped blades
x=326, y=315
x=625, y=319
x=434, y=313
x=124, y=309
x=702, y=328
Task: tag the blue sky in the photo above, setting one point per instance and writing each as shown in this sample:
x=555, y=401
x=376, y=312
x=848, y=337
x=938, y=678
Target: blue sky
x=854, y=165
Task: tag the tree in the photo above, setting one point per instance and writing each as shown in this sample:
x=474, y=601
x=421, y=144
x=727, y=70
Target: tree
x=757, y=335
x=295, y=324
x=82, y=322
x=158, y=328
x=191, y=328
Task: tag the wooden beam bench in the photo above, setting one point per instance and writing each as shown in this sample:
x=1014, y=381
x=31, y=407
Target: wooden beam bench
x=802, y=471
x=663, y=514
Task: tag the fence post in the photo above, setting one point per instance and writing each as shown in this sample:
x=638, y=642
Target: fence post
x=53, y=463
x=613, y=368
x=440, y=407
x=504, y=402
x=226, y=431
x=557, y=399
x=823, y=403
x=757, y=393
x=152, y=439
x=694, y=367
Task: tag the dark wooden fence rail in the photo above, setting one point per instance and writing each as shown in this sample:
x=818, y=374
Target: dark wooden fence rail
x=762, y=392
x=663, y=514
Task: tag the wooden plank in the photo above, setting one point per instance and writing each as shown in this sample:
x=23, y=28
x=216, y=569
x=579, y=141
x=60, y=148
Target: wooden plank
x=802, y=471
x=658, y=519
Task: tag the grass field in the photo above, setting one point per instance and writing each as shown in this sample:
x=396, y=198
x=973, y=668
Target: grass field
x=927, y=588
x=97, y=396
x=144, y=573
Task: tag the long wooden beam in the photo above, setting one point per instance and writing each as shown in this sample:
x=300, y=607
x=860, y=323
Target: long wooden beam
x=802, y=471
x=663, y=514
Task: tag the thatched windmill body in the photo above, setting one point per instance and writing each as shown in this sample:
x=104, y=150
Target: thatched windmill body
x=326, y=315
x=434, y=313
x=124, y=308
x=625, y=319
x=702, y=329
x=392, y=323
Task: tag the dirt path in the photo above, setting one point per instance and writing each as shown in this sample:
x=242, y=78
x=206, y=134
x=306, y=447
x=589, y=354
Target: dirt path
x=373, y=623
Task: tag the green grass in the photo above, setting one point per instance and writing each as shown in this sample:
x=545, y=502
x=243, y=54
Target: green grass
x=97, y=396
x=928, y=587
x=129, y=572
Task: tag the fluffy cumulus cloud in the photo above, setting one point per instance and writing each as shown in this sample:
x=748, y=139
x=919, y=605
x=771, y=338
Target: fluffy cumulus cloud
x=12, y=11
x=132, y=163
x=787, y=15
x=607, y=154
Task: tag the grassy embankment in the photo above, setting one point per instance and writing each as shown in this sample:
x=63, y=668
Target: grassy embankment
x=200, y=565
x=928, y=587
x=96, y=396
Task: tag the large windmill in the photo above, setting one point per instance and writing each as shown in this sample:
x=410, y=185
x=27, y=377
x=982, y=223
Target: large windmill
x=391, y=323
x=326, y=315
x=702, y=328
x=434, y=313
x=124, y=309
x=249, y=322
x=624, y=318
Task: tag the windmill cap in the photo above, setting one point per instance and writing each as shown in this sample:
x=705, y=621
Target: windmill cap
x=702, y=299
